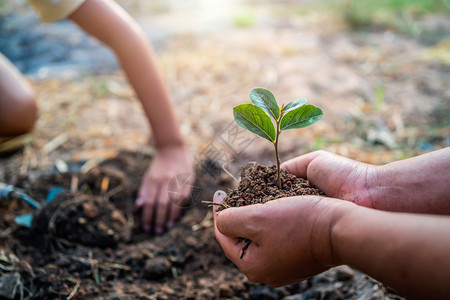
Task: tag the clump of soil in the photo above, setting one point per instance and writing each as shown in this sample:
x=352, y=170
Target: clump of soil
x=259, y=185
x=65, y=257
x=88, y=220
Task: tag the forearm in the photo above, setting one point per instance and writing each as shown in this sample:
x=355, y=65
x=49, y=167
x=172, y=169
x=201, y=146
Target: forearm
x=142, y=72
x=408, y=252
x=107, y=22
x=419, y=184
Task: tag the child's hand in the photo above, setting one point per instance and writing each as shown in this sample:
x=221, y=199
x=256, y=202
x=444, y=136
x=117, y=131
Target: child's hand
x=162, y=205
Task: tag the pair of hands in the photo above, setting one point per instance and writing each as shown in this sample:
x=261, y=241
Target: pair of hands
x=165, y=188
x=291, y=236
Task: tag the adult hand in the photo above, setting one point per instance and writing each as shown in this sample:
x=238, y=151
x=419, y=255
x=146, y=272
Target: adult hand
x=162, y=205
x=337, y=176
x=290, y=237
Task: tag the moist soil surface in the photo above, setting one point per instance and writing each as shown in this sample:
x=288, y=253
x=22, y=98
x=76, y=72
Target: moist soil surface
x=384, y=93
x=87, y=243
x=259, y=184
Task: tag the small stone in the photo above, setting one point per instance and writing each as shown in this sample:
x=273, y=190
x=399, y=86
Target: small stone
x=263, y=292
x=338, y=285
x=90, y=210
x=63, y=261
x=225, y=290
x=117, y=216
x=102, y=226
x=191, y=242
x=204, y=282
x=167, y=290
x=294, y=297
x=157, y=268
x=8, y=284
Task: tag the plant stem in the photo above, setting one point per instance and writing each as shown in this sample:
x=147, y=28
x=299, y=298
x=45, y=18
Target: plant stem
x=277, y=155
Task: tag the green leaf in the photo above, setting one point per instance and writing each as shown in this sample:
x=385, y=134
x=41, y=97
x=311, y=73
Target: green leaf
x=294, y=104
x=264, y=99
x=254, y=119
x=301, y=117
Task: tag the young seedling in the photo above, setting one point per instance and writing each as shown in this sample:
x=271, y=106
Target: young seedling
x=255, y=117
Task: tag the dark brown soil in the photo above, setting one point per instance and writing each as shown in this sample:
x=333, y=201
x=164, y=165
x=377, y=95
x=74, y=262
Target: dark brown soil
x=83, y=246
x=259, y=184
x=88, y=220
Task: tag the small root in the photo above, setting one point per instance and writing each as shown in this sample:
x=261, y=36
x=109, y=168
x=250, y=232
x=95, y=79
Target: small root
x=229, y=173
x=205, y=223
x=75, y=289
x=211, y=203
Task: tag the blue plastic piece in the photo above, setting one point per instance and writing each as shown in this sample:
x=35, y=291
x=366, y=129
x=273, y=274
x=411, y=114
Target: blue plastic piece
x=53, y=193
x=30, y=201
x=5, y=191
x=24, y=220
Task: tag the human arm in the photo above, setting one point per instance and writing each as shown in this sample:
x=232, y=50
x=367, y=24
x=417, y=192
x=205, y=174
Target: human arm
x=18, y=105
x=298, y=237
x=109, y=23
x=418, y=184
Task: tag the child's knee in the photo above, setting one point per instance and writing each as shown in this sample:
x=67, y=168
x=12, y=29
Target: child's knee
x=19, y=115
x=30, y=112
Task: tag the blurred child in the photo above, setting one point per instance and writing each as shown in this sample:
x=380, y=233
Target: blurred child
x=109, y=23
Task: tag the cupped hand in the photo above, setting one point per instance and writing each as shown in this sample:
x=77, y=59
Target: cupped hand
x=290, y=237
x=337, y=176
x=165, y=188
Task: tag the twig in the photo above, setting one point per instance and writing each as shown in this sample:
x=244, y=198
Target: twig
x=28, y=268
x=130, y=220
x=74, y=184
x=25, y=166
x=113, y=266
x=100, y=265
x=90, y=164
x=104, y=185
x=63, y=243
x=212, y=203
x=51, y=222
x=229, y=173
x=188, y=289
x=116, y=278
x=20, y=284
x=94, y=268
x=30, y=294
x=75, y=289
x=205, y=223
x=55, y=143
x=114, y=191
x=174, y=272
x=61, y=166
x=6, y=268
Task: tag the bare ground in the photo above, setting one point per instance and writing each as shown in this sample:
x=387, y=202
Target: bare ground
x=385, y=97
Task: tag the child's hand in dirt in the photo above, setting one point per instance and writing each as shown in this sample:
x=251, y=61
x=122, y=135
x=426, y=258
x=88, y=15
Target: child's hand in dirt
x=290, y=237
x=337, y=176
x=165, y=188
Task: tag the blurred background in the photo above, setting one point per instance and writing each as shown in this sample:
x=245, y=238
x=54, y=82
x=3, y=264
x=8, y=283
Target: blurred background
x=379, y=69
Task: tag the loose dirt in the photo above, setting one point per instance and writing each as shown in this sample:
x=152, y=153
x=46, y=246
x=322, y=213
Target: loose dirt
x=259, y=184
x=82, y=246
x=385, y=97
